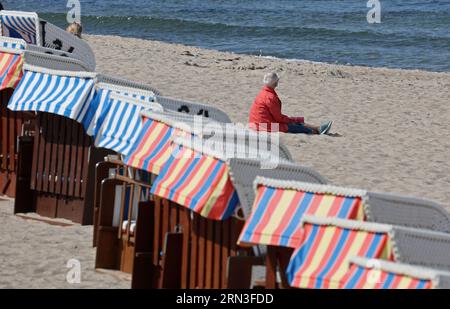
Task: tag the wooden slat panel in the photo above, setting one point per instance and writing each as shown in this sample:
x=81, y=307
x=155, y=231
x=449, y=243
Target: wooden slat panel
x=54, y=158
x=74, y=160
x=81, y=163
x=18, y=132
x=85, y=171
x=165, y=218
x=11, y=142
x=225, y=250
x=5, y=137
x=201, y=252
x=209, y=253
x=193, y=263
x=59, y=175
x=39, y=159
x=235, y=229
x=184, y=222
x=68, y=162
x=217, y=262
x=48, y=151
x=157, y=230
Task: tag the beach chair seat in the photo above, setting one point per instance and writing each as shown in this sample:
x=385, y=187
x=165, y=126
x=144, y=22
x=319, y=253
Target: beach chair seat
x=45, y=37
x=120, y=197
x=380, y=274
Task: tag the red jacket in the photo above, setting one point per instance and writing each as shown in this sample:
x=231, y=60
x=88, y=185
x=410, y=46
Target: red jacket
x=267, y=110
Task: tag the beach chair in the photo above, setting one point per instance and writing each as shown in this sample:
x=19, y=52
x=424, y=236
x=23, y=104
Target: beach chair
x=153, y=142
x=125, y=189
x=322, y=259
x=63, y=157
x=151, y=152
x=324, y=200
x=366, y=273
x=14, y=127
x=45, y=37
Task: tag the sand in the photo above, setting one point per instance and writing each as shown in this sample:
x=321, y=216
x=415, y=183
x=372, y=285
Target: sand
x=35, y=254
x=391, y=133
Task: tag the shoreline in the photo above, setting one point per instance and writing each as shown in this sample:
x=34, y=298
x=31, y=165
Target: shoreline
x=294, y=60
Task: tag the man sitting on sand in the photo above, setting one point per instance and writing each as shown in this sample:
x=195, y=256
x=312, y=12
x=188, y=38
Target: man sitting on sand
x=266, y=111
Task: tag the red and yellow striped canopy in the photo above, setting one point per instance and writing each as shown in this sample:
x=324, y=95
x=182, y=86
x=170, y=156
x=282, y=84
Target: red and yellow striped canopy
x=277, y=213
x=322, y=259
x=198, y=182
x=10, y=69
x=361, y=277
x=153, y=147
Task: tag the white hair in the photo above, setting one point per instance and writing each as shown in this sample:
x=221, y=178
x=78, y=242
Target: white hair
x=270, y=79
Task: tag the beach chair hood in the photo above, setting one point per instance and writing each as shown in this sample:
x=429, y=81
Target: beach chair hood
x=53, y=84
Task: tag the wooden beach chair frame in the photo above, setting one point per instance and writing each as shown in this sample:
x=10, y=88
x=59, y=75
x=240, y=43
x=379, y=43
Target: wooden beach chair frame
x=61, y=174
x=15, y=127
x=180, y=249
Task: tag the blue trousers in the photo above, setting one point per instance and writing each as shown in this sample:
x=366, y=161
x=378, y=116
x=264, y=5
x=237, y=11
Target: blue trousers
x=298, y=128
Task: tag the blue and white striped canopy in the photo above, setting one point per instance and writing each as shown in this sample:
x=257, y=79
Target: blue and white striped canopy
x=58, y=92
x=100, y=105
x=121, y=124
x=20, y=27
x=10, y=43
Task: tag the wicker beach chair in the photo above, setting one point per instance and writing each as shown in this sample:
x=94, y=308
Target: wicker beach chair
x=407, y=211
x=331, y=242
x=56, y=181
x=295, y=199
x=13, y=126
x=46, y=37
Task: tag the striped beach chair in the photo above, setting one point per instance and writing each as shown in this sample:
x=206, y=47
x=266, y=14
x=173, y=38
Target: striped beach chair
x=21, y=25
x=149, y=152
x=274, y=219
x=194, y=192
x=56, y=179
x=322, y=260
x=366, y=273
x=44, y=37
x=13, y=126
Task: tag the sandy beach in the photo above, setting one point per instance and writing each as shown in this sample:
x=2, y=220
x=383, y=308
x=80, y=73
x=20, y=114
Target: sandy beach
x=391, y=133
